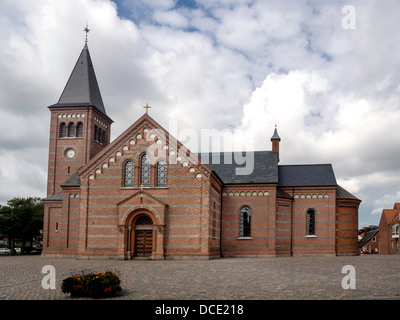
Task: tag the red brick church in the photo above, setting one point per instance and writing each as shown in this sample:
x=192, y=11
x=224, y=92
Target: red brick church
x=146, y=195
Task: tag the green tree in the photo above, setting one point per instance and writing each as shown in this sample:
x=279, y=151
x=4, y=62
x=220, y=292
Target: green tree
x=22, y=219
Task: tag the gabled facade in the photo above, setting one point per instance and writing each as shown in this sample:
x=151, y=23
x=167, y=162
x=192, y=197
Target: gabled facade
x=389, y=230
x=146, y=195
x=369, y=244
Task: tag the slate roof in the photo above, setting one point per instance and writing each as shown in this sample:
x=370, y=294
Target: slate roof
x=224, y=164
x=341, y=193
x=367, y=237
x=306, y=175
x=54, y=197
x=73, y=180
x=276, y=136
x=82, y=88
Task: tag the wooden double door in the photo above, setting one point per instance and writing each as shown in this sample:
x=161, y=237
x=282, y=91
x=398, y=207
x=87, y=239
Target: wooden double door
x=143, y=243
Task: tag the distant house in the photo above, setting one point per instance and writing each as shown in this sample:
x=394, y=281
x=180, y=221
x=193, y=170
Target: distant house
x=370, y=242
x=389, y=230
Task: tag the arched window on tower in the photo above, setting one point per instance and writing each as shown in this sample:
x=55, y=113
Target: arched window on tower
x=71, y=130
x=161, y=173
x=310, y=222
x=128, y=174
x=79, y=130
x=100, y=136
x=63, y=130
x=245, y=222
x=145, y=171
x=103, y=139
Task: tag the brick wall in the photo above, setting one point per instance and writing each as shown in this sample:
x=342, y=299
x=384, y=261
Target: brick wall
x=347, y=227
x=261, y=201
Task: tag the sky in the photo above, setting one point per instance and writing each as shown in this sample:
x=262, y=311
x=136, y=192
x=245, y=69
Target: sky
x=325, y=72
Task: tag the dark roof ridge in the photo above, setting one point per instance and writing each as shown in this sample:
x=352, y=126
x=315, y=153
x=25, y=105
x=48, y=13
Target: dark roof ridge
x=368, y=236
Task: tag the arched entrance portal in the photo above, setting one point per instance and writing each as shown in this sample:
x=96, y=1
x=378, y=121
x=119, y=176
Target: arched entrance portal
x=140, y=235
x=143, y=237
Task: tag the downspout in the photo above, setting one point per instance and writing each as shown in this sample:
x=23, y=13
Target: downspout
x=291, y=224
x=87, y=214
x=220, y=225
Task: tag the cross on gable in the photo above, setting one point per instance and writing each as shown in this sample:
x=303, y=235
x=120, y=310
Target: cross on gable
x=147, y=107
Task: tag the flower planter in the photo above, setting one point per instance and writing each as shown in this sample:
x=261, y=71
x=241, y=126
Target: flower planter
x=92, y=285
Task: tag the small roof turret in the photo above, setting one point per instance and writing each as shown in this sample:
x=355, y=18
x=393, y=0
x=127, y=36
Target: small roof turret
x=276, y=135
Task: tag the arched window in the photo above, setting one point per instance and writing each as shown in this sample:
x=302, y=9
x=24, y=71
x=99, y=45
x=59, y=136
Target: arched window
x=79, y=130
x=129, y=174
x=245, y=222
x=162, y=173
x=100, y=136
x=310, y=222
x=103, y=139
x=71, y=130
x=63, y=130
x=145, y=171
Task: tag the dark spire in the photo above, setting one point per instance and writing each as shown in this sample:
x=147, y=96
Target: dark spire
x=275, y=142
x=276, y=135
x=82, y=88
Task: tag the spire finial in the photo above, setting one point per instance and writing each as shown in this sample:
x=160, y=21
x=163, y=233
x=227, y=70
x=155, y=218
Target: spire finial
x=87, y=31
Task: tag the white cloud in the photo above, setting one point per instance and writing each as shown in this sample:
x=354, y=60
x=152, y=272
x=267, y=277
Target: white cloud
x=386, y=202
x=171, y=18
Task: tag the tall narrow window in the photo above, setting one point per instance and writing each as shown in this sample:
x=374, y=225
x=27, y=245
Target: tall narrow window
x=245, y=222
x=71, y=130
x=128, y=179
x=395, y=231
x=79, y=130
x=95, y=133
x=145, y=171
x=162, y=173
x=100, y=136
x=310, y=222
x=63, y=130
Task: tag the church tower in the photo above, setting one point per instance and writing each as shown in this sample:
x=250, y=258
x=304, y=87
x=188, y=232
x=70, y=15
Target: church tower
x=79, y=127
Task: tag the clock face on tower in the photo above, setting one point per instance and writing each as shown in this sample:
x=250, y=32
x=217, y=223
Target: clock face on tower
x=70, y=153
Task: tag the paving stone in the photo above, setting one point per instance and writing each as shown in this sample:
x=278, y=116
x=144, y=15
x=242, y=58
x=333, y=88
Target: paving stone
x=300, y=278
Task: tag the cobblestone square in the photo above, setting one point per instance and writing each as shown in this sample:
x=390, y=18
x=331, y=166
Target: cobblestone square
x=284, y=278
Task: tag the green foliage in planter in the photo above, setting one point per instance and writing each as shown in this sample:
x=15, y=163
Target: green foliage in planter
x=95, y=285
